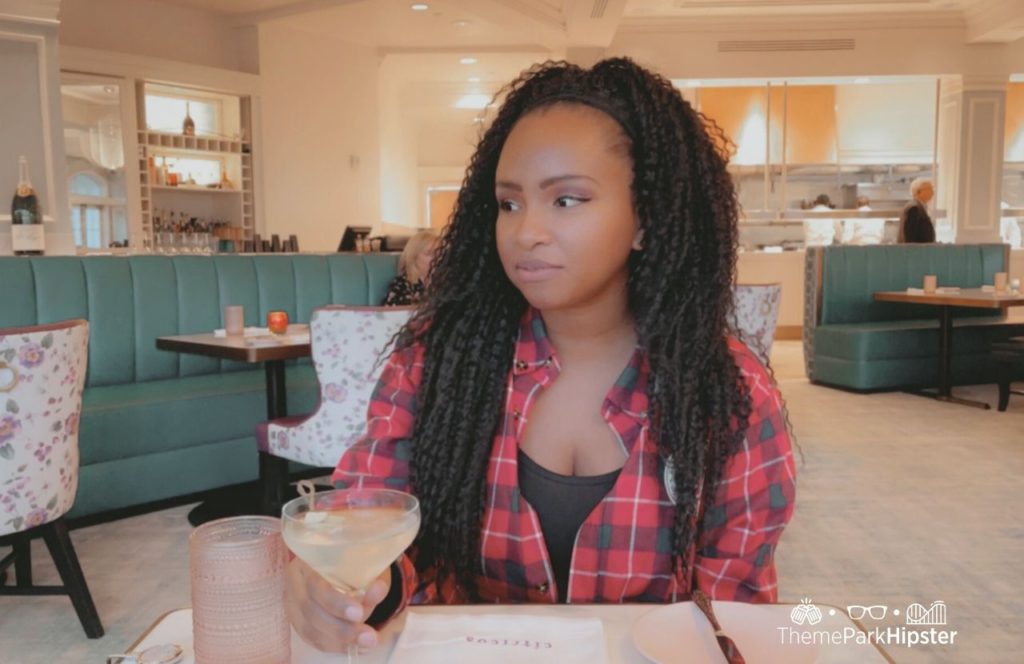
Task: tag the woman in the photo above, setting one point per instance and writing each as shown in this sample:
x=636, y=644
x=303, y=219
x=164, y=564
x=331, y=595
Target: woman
x=568, y=405
x=413, y=270
x=915, y=224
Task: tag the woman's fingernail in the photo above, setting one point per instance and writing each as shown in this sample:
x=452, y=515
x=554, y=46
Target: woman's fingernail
x=366, y=640
x=354, y=613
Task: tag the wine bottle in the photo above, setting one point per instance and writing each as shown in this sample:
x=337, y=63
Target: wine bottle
x=188, y=128
x=27, y=235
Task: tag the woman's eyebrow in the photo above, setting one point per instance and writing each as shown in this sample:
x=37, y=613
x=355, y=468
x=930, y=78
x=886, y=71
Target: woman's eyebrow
x=544, y=183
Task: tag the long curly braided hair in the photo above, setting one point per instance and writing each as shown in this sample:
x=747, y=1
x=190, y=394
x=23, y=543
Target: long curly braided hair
x=680, y=296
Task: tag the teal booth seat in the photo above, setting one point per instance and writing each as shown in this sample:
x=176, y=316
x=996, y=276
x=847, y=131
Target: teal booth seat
x=854, y=342
x=157, y=424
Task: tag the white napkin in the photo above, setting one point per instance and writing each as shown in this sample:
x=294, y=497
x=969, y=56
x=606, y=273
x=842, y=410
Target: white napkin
x=499, y=639
x=915, y=291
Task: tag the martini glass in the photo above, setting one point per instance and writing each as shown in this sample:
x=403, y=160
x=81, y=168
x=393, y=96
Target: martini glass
x=350, y=536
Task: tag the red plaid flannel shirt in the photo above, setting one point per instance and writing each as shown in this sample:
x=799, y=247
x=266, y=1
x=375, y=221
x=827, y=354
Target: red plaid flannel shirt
x=623, y=550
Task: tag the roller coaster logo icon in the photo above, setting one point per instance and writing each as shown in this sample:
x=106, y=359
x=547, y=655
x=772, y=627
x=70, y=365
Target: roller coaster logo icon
x=933, y=615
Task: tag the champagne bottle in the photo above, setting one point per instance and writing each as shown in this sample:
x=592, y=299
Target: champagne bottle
x=27, y=235
x=188, y=128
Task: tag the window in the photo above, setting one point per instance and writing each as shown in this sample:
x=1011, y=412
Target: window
x=97, y=220
x=168, y=114
x=95, y=160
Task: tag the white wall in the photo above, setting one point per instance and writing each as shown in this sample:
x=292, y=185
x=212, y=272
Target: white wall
x=398, y=151
x=160, y=30
x=890, y=122
x=320, y=137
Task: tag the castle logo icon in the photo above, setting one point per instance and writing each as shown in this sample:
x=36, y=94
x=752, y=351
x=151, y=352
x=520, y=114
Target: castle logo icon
x=933, y=615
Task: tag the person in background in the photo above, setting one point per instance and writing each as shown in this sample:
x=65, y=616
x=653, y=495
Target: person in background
x=568, y=403
x=823, y=203
x=413, y=270
x=821, y=232
x=915, y=224
x=860, y=231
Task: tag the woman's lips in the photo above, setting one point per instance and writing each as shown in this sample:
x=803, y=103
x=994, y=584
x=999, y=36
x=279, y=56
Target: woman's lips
x=530, y=270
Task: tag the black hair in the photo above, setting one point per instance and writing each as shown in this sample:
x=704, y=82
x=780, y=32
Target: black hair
x=680, y=296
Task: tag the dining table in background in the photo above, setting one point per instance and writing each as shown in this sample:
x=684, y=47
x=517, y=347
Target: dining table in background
x=946, y=301
x=272, y=352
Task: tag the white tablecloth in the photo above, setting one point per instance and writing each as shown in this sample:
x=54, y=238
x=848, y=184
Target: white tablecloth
x=618, y=619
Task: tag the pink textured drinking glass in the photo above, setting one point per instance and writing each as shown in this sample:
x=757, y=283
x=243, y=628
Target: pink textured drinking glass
x=238, y=611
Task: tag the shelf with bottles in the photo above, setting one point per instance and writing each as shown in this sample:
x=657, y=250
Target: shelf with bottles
x=217, y=174
x=184, y=231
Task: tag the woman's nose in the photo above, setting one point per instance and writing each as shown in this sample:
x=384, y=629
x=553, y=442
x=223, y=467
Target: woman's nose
x=532, y=230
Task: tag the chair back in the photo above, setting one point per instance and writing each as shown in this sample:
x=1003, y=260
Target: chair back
x=755, y=316
x=346, y=347
x=42, y=375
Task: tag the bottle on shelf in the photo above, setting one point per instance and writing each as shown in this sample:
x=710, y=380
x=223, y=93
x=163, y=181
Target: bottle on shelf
x=27, y=235
x=188, y=128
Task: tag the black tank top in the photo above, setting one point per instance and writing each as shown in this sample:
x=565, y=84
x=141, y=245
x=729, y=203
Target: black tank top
x=562, y=504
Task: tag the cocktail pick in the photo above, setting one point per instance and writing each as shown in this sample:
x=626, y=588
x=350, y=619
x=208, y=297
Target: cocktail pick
x=307, y=489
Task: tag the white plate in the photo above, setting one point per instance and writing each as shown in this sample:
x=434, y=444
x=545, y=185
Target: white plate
x=680, y=634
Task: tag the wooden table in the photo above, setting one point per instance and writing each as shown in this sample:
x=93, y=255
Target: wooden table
x=618, y=619
x=975, y=298
x=272, y=352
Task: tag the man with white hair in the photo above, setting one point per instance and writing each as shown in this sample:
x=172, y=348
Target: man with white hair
x=915, y=224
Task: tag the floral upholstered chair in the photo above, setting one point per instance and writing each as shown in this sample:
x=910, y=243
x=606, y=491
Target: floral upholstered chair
x=756, y=314
x=346, y=347
x=42, y=375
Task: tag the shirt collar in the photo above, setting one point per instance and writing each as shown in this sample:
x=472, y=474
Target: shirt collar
x=534, y=351
x=533, y=348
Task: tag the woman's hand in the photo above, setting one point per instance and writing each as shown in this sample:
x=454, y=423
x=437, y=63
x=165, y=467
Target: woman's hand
x=328, y=618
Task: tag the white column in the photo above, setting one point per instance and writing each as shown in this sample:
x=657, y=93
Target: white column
x=970, y=154
x=32, y=122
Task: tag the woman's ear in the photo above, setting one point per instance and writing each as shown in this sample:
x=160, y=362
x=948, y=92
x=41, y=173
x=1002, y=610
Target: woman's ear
x=638, y=240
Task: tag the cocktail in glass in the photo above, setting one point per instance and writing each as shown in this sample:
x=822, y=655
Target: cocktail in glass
x=350, y=536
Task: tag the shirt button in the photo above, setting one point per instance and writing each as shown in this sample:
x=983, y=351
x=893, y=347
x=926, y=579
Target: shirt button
x=547, y=361
x=515, y=412
x=542, y=587
x=520, y=365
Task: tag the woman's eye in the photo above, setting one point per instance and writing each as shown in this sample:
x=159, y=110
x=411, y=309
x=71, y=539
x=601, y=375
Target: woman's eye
x=508, y=206
x=569, y=201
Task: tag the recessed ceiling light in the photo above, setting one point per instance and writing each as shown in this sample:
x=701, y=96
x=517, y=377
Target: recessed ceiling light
x=419, y=7
x=473, y=79
x=109, y=89
x=461, y=23
x=468, y=61
x=862, y=79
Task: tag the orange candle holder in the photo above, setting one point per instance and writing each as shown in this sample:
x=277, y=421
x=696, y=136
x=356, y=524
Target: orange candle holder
x=277, y=322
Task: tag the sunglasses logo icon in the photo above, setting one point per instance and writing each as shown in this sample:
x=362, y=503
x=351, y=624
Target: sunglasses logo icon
x=876, y=612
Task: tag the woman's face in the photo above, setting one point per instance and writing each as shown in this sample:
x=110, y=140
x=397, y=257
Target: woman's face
x=566, y=221
x=423, y=259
